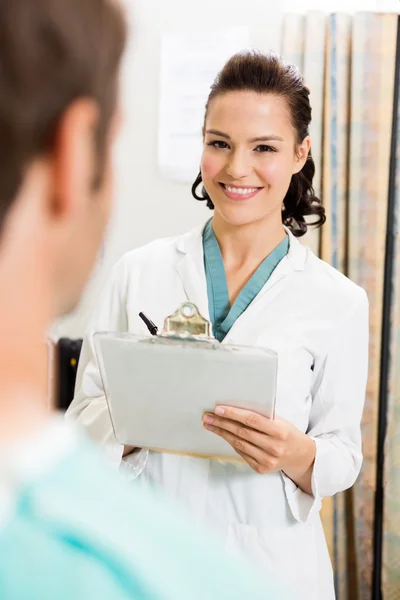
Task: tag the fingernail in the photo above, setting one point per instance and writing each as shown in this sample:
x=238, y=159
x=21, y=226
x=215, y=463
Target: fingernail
x=219, y=410
x=209, y=427
x=208, y=419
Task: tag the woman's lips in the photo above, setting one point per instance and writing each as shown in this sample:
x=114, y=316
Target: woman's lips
x=235, y=192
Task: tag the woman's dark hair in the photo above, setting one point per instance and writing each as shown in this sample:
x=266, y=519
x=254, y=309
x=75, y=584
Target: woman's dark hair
x=269, y=74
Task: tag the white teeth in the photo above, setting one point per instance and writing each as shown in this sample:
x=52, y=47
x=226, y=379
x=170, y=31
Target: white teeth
x=243, y=191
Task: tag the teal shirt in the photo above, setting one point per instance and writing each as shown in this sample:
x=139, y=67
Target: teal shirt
x=222, y=315
x=79, y=531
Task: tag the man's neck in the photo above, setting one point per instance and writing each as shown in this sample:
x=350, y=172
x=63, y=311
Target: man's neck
x=25, y=315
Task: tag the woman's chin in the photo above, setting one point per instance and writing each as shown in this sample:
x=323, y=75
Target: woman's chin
x=237, y=217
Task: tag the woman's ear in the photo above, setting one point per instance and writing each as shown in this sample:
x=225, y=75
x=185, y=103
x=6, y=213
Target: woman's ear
x=302, y=152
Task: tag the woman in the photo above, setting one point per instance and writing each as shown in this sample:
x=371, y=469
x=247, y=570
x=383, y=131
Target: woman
x=248, y=273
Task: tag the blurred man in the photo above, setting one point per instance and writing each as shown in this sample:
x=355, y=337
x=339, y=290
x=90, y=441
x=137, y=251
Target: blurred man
x=69, y=528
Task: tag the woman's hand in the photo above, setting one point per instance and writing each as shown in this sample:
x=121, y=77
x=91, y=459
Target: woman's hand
x=266, y=445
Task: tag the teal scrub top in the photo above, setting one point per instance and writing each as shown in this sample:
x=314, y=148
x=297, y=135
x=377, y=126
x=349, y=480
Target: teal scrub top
x=80, y=532
x=222, y=315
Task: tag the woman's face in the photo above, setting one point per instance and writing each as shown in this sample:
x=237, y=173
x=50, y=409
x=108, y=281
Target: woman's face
x=249, y=156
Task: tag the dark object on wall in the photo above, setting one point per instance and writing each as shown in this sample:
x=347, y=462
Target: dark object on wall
x=67, y=359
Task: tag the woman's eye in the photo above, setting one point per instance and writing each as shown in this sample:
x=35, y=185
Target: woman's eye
x=218, y=144
x=264, y=148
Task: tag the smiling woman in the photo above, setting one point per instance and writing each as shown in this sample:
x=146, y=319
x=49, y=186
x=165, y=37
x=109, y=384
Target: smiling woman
x=256, y=143
x=249, y=275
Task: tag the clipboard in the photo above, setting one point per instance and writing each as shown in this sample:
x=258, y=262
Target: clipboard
x=158, y=389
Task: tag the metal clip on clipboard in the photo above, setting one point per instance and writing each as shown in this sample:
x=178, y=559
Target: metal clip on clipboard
x=187, y=322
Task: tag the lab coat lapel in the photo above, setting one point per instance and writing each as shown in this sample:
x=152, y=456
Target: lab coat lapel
x=294, y=261
x=190, y=267
x=263, y=298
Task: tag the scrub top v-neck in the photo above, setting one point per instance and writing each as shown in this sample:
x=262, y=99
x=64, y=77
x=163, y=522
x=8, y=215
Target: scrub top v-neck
x=222, y=315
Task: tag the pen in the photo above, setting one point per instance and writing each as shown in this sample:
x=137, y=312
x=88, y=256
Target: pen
x=149, y=324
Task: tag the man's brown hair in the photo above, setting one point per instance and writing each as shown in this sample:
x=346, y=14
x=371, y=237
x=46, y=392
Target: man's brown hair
x=51, y=53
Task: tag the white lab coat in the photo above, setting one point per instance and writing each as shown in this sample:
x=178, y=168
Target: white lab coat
x=317, y=321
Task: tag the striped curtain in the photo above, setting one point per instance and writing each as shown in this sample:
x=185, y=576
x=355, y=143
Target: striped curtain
x=303, y=44
x=349, y=63
x=391, y=524
x=374, y=55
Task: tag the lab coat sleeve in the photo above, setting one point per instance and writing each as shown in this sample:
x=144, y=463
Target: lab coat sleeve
x=335, y=419
x=89, y=406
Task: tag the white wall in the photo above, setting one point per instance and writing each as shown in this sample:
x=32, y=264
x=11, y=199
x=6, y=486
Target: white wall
x=148, y=206
x=342, y=5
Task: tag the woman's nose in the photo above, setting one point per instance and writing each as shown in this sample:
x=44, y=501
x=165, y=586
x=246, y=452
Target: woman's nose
x=239, y=165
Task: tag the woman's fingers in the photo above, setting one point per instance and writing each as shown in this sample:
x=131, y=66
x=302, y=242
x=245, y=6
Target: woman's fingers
x=255, y=438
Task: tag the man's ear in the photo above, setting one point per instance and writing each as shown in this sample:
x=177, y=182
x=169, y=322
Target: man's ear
x=302, y=152
x=73, y=158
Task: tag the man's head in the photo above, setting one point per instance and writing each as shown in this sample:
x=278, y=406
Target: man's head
x=59, y=67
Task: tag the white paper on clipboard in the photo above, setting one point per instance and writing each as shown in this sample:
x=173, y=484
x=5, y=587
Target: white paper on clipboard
x=157, y=392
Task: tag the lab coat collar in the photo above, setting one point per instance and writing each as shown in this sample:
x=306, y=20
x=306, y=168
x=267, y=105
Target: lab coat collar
x=191, y=270
x=190, y=240
x=297, y=254
x=193, y=242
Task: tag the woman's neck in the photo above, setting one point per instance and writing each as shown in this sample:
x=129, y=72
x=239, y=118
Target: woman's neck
x=247, y=245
